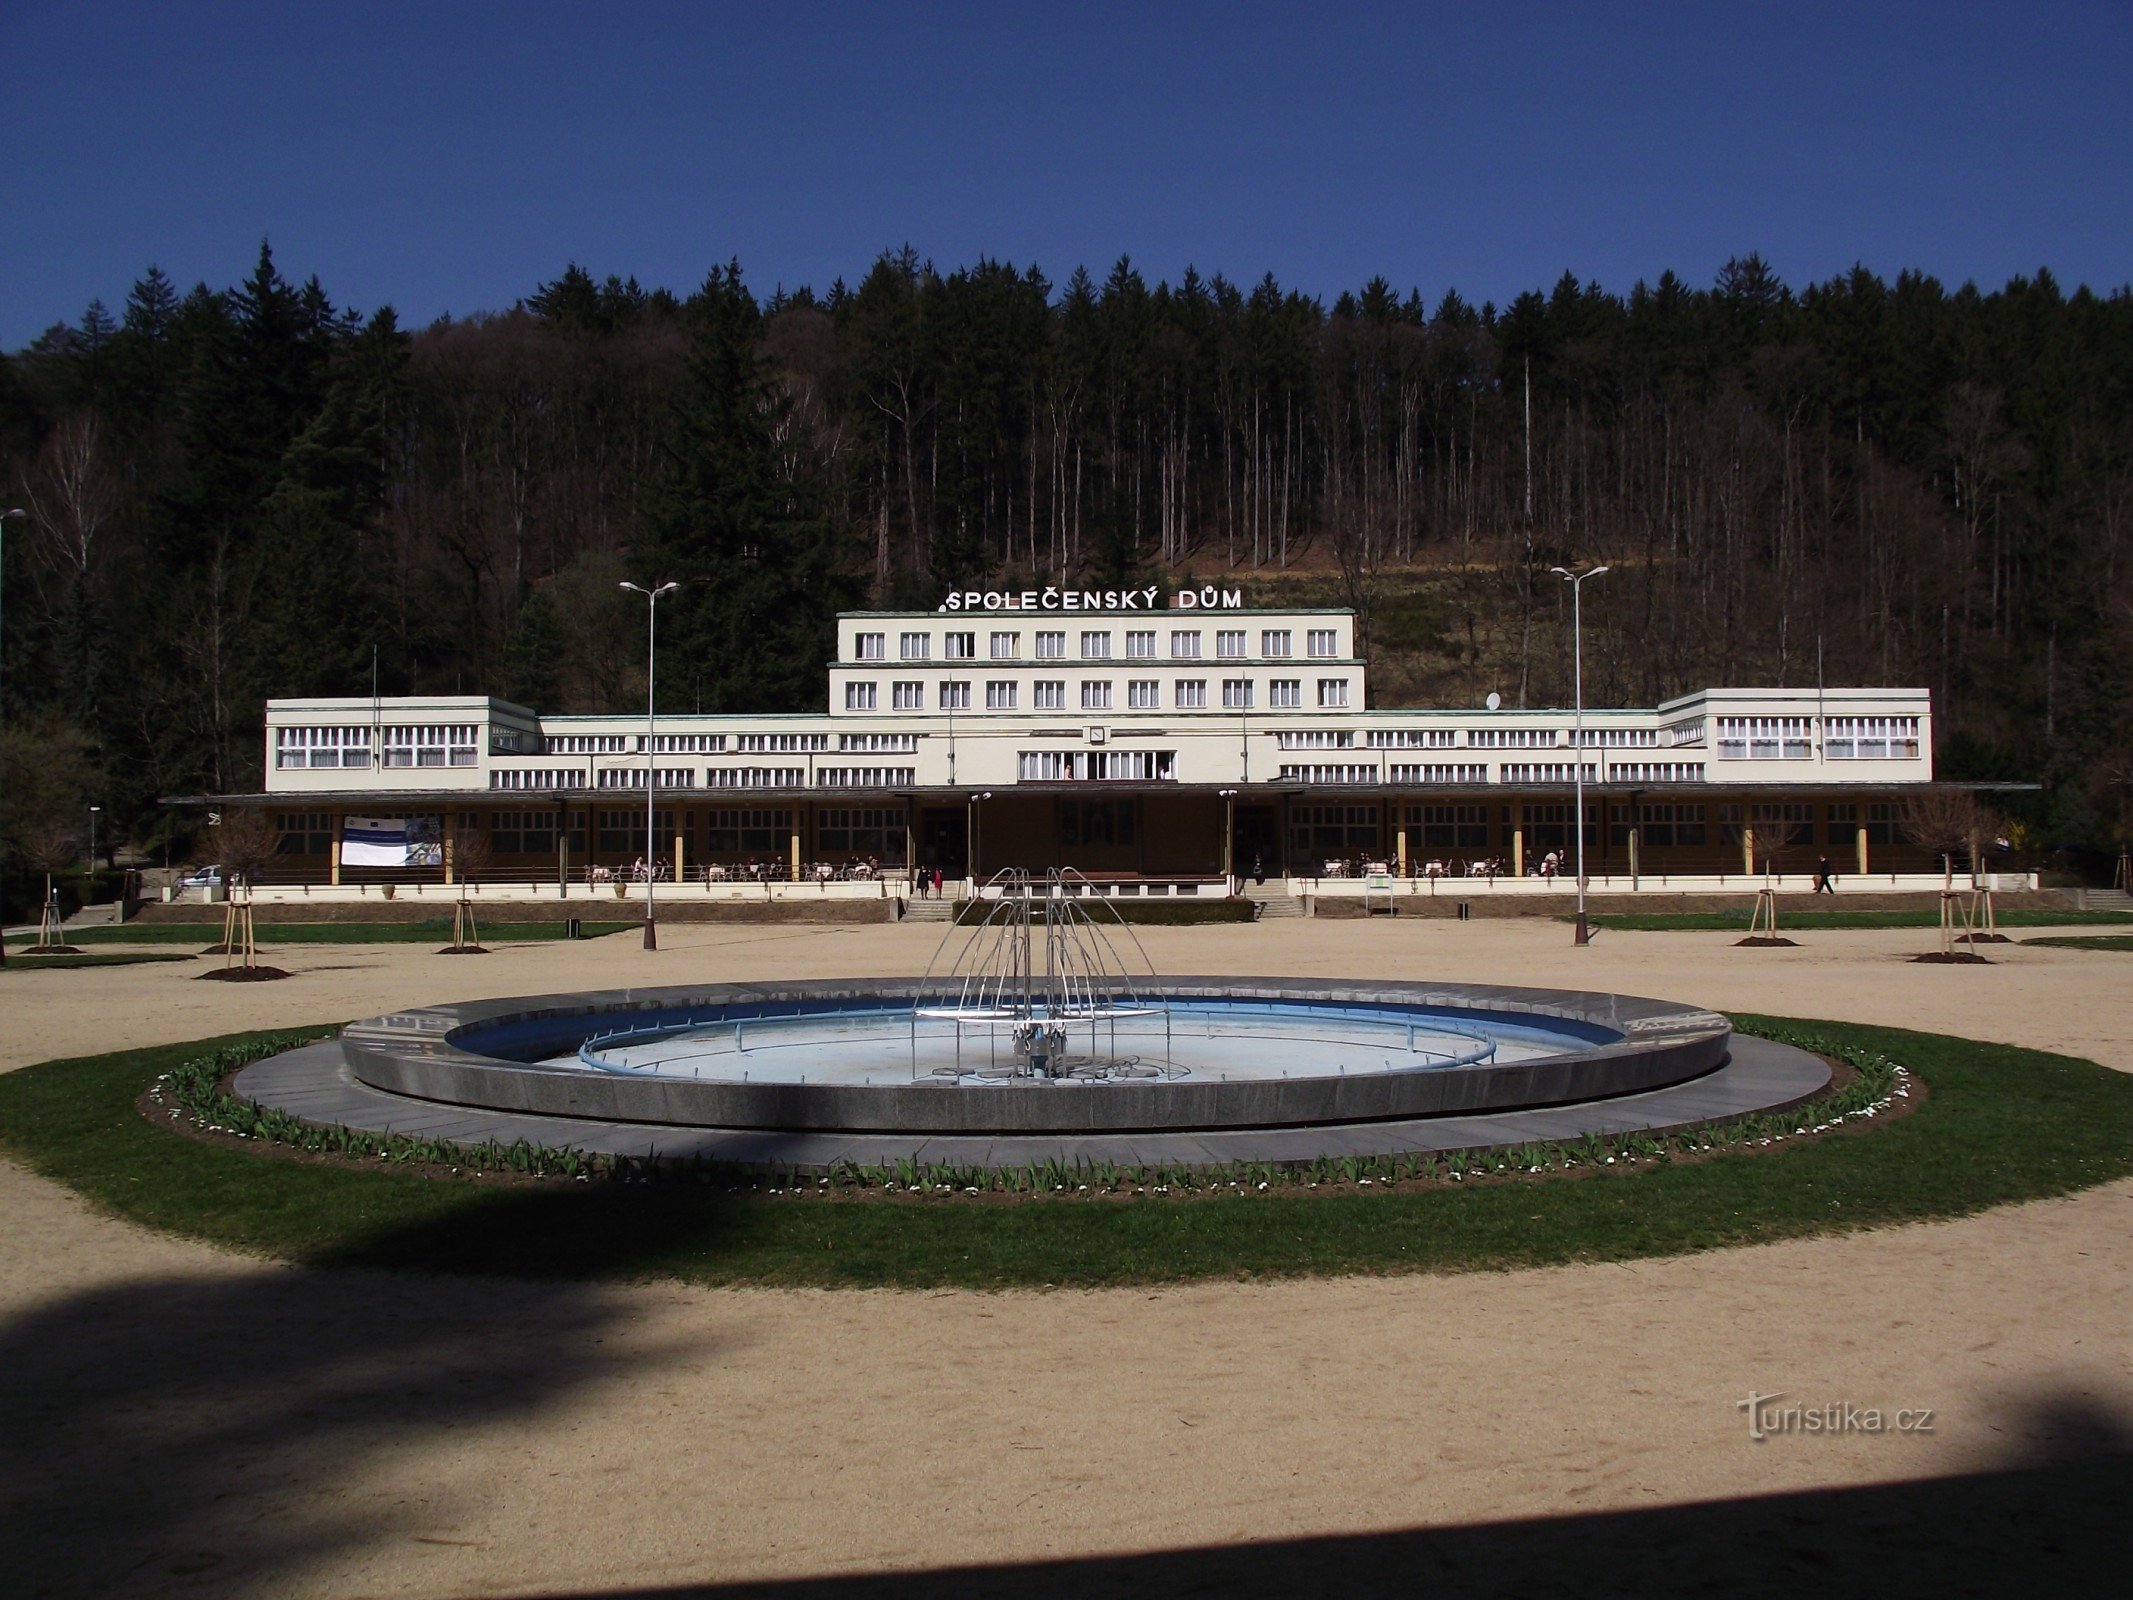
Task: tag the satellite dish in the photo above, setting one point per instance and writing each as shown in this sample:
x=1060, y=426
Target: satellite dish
x=1494, y=701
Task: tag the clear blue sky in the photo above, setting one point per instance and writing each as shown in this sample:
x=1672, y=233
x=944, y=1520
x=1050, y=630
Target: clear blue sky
x=447, y=157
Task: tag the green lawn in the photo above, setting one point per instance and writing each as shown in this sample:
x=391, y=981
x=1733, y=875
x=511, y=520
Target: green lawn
x=27, y=962
x=1737, y=921
x=1997, y=1125
x=434, y=931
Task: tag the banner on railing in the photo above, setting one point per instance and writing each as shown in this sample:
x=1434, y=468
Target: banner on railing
x=392, y=842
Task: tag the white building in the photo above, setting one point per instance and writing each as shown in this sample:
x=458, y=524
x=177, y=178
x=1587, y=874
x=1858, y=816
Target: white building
x=1123, y=740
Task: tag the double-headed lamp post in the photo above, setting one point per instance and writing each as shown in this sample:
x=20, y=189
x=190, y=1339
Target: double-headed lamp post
x=651, y=754
x=1576, y=580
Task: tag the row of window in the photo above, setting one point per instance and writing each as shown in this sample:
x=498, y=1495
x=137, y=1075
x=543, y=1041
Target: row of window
x=1050, y=644
x=714, y=778
x=1333, y=829
x=1792, y=738
x=321, y=747
x=1050, y=694
x=1096, y=766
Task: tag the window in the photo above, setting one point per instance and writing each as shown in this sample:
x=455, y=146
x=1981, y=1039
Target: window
x=303, y=833
x=755, y=743
x=1330, y=772
x=455, y=746
x=690, y=743
x=1143, y=694
x=1870, y=738
x=1881, y=822
x=1511, y=738
x=1439, y=772
x=865, y=777
x=622, y=832
x=955, y=695
x=1096, y=766
x=1682, y=734
x=1285, y=694
x=1229, y=644
x=1096, y=695
x=321, y=747
x=585, y=744
x=1764, y=739
x=1323, y=642
x=746, y=833
x=1616, y=738
x=1140, y=644
x=1096, y=644
x=1191, y=694
x=959, y=646
x=916, y=646
x=539, y=778
x=860, y=831
x=753, y=777
x=1276, y=642
x=898, y=742
x=868, y=646
x=1331, y=830
x=522, y=833
x=1550, y=827
x=1412, y=738
x=1236, y=694
x=633, y=778
x=1661, y=824
x=1315, y=739
x=907, y=696
x=1185, y=644
x=1049, y=694
x=1450, y=827
x=1051, y=644
x=1006, y=646
x=1000, y=694
x=1778, y=823
x=1332, y=693
x=1096, y=822
x=1655, y=771
x=859, y=697
x=1547, y=772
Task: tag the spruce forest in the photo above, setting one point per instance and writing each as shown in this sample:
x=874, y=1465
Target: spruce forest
x=245, y=492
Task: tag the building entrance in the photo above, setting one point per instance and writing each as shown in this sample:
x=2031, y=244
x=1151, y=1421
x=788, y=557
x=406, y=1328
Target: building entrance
x=943, y=840
x=1258, y=838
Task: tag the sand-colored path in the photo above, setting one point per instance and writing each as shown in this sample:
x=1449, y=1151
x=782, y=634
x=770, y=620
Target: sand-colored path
x=179, y=1421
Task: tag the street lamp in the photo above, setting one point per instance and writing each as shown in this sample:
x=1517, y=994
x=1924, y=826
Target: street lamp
x=12, y=514
x=651, y=759
x=1576, y=580
x=1229, y=838
x=971, y=841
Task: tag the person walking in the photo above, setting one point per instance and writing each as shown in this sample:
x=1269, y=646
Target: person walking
x=1825, y=877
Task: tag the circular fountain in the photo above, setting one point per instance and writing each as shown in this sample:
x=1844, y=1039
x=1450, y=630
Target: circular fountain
x=1039, y=1031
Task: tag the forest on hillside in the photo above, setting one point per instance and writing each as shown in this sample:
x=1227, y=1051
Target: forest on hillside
x=252, y=491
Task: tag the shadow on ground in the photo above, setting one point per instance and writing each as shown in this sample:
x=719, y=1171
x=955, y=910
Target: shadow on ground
x=2046, y=1525
x=167, y=1435
x=206, y=1435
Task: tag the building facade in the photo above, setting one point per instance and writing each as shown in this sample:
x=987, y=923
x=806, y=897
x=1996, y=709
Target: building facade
x=1109, y=737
